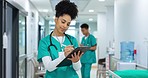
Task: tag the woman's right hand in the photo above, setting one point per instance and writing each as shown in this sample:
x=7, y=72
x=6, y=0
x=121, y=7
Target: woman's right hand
x=68, y=49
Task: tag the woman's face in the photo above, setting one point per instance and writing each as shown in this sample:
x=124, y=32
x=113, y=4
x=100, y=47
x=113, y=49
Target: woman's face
x=62, y=23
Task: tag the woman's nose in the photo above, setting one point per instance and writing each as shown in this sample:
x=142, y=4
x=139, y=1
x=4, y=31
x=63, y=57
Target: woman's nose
x=65, y=26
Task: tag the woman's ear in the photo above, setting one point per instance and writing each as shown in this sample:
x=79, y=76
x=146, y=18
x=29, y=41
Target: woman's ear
x=56, y=19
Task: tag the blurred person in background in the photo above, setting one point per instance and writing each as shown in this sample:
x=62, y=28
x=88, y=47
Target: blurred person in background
x=89, y=57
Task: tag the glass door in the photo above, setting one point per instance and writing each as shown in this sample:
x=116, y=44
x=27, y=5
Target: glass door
x=12, y=51
x=22, y=47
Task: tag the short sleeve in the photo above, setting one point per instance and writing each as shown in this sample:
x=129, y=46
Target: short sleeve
x=42, y=50
x=93, y=41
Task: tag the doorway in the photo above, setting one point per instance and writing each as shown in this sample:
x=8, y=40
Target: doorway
x=9, y=22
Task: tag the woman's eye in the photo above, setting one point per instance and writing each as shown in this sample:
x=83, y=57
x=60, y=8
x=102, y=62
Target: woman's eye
x=63, y=22
x=67, y=24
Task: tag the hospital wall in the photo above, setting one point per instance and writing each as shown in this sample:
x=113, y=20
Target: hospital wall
x=105, y=33
x=32, y=38
x=110, y=26
x=93, y=27
x=47, y=27
x=131, y=25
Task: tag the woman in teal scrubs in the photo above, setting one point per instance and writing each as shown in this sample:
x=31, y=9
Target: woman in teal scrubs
x=56, y=46
x=89, y=57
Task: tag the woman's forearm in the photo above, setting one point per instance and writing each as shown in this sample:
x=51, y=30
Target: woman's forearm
x=51, y=65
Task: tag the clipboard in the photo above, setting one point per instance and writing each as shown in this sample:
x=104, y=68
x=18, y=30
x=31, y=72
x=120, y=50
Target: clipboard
x=67, y=62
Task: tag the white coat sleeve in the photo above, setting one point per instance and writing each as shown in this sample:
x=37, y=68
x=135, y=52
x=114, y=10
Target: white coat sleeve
x=77, y=66
x=49, y=64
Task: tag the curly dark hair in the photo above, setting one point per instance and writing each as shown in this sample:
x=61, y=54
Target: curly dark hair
x=66, y=7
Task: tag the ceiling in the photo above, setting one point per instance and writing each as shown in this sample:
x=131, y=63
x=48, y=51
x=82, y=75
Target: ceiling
x=46, y=8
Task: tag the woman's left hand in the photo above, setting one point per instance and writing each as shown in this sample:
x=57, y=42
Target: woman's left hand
x=76, y=57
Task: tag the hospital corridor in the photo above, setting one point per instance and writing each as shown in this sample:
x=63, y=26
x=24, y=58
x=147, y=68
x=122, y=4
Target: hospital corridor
x=73, y=38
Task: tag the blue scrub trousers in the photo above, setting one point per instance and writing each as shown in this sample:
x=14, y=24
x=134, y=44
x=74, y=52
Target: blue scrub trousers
x=85, y=70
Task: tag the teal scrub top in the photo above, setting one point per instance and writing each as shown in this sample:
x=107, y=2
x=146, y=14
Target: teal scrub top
x=89, y=56
x=60, y=72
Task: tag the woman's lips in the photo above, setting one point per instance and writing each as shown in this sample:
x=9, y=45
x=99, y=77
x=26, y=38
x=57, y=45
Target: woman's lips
x=63, y=30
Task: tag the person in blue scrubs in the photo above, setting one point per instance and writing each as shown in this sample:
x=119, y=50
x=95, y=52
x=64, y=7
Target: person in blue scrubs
x=56, y=46
x=89, y=57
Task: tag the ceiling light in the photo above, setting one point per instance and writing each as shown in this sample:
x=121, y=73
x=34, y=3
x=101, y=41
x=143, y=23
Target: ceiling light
x=44, y=10
x=91, y=10
x=53, y=17
x=51, y=23
x=101, y=0
x=52, y=27
x=40, y=23
x=90, y=19
x=20, y=21
x=72, y=28
x=23, y=23
x=73, y=22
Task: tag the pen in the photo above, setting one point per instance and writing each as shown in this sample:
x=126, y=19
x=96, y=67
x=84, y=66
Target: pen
x=66, y=45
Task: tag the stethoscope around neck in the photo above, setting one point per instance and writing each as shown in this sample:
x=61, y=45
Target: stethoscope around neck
x=51, y=44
